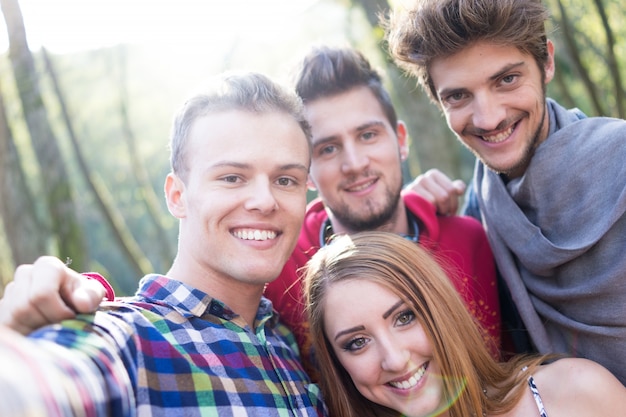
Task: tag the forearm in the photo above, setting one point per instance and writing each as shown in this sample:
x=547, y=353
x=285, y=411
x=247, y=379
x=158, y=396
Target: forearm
x=30, y=383
x=42, y=378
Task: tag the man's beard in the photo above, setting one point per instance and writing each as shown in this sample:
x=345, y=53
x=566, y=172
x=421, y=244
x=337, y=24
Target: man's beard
x=520, y=167
x=372, y=220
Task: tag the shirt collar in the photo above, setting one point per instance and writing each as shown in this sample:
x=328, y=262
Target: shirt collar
x=191, y=302
x=327, y=233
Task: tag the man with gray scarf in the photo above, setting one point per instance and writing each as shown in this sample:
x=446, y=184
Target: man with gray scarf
x=549, y=183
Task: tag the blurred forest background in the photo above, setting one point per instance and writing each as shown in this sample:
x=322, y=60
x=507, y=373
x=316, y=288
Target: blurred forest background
x=84, y=130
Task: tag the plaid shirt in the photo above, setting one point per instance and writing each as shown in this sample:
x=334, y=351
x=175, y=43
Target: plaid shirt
x=172, y=350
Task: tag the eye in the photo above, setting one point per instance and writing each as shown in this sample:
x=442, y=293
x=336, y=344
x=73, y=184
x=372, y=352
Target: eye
x=368, y=135
x=405, y=318
x=286, y=181
x=454, y=97
x=355, y=344
x=231, y=178
x=509, y=79
x=326, y=150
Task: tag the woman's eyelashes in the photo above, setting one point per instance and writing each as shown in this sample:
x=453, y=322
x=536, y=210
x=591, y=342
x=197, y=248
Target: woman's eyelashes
x=403, y=318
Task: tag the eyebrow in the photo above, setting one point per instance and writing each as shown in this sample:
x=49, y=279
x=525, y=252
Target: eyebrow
x=367, y=125
x=392, y=309
x=364, y=126
x=506, y=69
x=495, y=76
x=240, y=165
x=323, y=141
x=386, y=314
x=347, y=331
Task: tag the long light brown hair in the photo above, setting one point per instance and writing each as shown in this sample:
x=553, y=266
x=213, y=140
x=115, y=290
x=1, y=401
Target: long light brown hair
x=410, y=272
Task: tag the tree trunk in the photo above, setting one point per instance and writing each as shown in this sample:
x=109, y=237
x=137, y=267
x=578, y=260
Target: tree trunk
x=126, y=242
x=149, y=198
x=17, y=208
x=64, y=225
x=613, y=64
x=569, y=35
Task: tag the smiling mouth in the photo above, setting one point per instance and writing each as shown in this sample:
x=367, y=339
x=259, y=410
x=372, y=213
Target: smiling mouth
x=255, y=234
x=360, y=187
x=412, y=381
x=500, y=136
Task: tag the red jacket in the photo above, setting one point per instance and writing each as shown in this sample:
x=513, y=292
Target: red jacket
x=459, y=244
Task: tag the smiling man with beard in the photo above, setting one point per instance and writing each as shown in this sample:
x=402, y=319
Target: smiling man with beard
x=359, y=146
x=549, y=183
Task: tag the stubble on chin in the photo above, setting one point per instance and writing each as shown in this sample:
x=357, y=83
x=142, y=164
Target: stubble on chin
x=519, y=167
x=373, y=215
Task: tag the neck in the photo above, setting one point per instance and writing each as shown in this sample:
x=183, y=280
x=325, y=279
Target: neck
x=398, y=223
x=241, y=297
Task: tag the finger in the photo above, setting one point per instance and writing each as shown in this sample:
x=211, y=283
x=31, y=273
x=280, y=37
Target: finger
x=35, y=300
x=459, y=186
x=447, y=191
x=16, y=309
x=457, y=190
x=49, y=288
x=424, y=192
x=432, y=192
x=83, y=295
x=6, y=310
x=438, y=190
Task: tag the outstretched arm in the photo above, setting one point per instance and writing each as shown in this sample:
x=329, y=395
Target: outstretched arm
x=31, y=385
x=41, y=377
x=47, y=292
x=440, y=190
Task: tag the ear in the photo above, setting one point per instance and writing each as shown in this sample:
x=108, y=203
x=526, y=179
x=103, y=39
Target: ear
x=549, y=65
x=174, y=195
x=403, y=139
x=310, y=184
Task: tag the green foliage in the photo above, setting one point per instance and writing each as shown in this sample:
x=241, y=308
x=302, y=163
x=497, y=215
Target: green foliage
x=158, y=77
x=592, y=68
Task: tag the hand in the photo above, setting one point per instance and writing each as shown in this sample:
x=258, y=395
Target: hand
x=440, y=190
x=47, y=292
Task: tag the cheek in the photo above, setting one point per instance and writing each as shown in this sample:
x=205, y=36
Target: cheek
x=455, y=121
x=389, y=152
x=363, y=369
x=293, y=203
x=324, y=172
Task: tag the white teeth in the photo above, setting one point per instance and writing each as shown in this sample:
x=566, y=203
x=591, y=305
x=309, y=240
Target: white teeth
x=412, y=381
x=499, y=137
x=361, y=187
x=255, y=234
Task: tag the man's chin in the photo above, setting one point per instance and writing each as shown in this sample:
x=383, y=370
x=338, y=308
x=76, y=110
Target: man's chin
x=513, y=170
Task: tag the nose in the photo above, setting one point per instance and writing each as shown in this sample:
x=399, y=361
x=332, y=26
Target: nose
x=353, y=159
x=394, y=356
x=261, y=197
x=488, y=112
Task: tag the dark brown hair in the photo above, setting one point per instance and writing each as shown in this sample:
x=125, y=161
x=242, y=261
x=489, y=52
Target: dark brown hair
x=430, y=29
x=327, y=71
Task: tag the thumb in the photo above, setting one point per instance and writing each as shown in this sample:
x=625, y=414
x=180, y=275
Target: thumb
x=459, y=186
x=86, y=296
x=85, y=292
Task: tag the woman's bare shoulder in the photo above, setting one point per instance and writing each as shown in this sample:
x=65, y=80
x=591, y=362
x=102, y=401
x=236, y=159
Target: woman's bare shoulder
x=579, y=387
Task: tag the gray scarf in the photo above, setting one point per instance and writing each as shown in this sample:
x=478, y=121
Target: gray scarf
x=559, y=237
